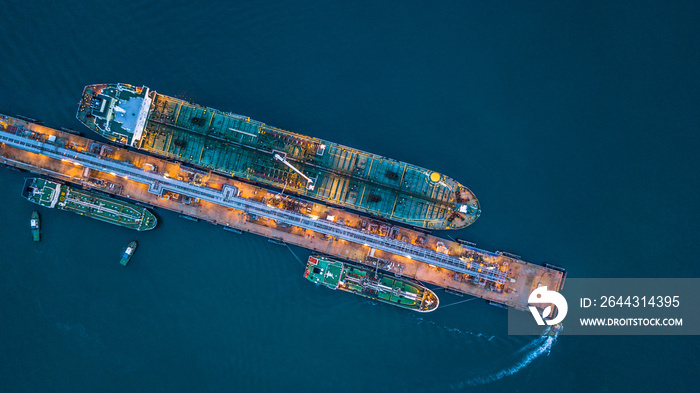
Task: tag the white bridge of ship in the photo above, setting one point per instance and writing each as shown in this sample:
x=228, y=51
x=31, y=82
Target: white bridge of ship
x=229, y=197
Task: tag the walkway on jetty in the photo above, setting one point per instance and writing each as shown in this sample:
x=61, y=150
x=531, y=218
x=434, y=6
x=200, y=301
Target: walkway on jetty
x=208, y=196
x=229, y=197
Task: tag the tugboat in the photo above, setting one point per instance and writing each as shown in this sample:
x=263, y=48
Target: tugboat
x=36, y=230
x=128, y=253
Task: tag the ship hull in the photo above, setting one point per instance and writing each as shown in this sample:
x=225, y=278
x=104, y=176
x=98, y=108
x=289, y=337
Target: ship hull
x=53, y=195
x=369, y=283
x=237, y=146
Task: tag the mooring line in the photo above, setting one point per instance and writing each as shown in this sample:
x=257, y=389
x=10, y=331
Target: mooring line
x=461, y=301
x=295, y=255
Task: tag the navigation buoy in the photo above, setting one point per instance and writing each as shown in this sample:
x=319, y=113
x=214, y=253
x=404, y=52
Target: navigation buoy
x=435, y=177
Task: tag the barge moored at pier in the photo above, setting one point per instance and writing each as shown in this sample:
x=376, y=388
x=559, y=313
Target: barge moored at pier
x=369, y=283
x=54, y=195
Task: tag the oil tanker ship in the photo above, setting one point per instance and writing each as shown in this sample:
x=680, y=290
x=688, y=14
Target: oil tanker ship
x=53, y=195
x=237, y=146
x=370, y=283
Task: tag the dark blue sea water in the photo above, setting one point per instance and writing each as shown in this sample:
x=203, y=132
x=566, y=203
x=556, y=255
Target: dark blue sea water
x=575, y=123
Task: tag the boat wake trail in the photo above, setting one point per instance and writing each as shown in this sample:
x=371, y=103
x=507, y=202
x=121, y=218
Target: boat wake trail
x=536, y=348
x=532, y=344
x=421, y=321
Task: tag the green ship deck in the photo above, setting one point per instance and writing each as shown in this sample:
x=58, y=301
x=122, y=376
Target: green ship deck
x=369, y=283
x=237, y=146
x=53, y=195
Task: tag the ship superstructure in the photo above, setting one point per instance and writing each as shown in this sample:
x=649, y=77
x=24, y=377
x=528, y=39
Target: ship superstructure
x=237, y=146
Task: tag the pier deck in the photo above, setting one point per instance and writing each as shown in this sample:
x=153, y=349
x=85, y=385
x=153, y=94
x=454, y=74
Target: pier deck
x=234, y=204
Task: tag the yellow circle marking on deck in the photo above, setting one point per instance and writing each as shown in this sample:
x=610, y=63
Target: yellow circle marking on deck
x=435, y=177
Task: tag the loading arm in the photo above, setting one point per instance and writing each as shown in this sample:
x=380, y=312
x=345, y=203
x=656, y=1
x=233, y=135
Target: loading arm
x=309, y=182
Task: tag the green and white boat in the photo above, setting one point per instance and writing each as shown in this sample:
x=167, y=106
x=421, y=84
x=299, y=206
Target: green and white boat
x=128, y=253
x=370, y=283
x=53, y=195
x=36, y=226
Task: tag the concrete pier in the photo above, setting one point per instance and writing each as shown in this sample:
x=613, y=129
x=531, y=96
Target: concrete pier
x=497, y=277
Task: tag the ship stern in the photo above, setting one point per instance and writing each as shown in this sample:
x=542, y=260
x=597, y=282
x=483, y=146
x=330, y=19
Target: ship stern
x=118, y=112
